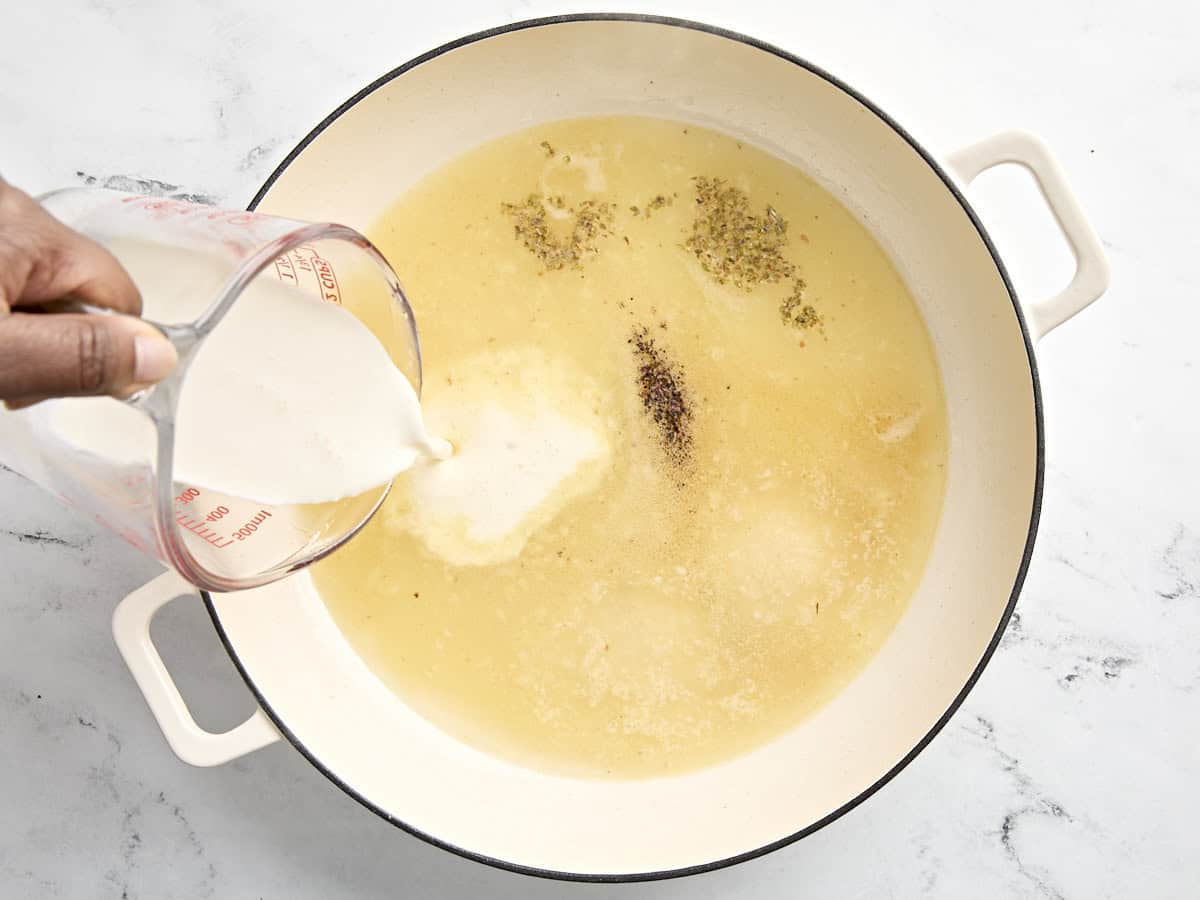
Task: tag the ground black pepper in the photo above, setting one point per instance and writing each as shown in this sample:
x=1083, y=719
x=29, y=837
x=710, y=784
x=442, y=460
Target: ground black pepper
x=664, y=396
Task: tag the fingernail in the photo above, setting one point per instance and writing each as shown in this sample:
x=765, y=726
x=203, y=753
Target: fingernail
x=154, y=358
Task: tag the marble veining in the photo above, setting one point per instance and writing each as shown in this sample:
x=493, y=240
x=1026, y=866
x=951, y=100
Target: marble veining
x=1030, y=799
x=1073, y=769
x=1181, y=565
x=151, y=187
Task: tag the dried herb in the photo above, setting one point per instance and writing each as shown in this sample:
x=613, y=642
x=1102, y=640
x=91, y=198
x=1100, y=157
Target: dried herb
x=545, y=145
x=563, y=243
x=731, y=243
x=796, y=311
x=658, y=203
x=664, y=396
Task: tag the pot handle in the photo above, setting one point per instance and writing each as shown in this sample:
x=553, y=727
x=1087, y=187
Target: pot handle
x=191, y=743
x=1091, y=264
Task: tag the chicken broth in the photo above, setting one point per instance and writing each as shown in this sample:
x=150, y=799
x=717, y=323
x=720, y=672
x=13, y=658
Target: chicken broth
x=700, y=451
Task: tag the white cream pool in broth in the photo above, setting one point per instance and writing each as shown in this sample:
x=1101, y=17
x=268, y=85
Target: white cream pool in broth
x=701, y=449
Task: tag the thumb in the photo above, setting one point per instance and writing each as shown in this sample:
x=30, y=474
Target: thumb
x=69, y=355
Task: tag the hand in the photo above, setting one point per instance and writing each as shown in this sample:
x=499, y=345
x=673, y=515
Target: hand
x=58, y=354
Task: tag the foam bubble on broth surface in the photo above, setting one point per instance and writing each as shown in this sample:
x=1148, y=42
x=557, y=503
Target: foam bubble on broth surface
x=742, y=452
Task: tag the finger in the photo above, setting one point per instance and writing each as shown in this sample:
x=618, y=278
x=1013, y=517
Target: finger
x=14, y=405
x=80, y=355
x=86, y=272
x=42, y=260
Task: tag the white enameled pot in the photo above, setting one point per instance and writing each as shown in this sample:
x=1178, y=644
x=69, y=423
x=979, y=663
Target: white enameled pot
x=314, y=691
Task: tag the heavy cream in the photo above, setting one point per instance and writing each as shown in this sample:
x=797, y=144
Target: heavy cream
x=530, y=433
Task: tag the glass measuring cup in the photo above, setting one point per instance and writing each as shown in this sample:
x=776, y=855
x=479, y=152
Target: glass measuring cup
x=205, y=258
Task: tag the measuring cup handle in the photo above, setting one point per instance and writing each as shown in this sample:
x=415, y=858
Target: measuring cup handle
x=191, y=743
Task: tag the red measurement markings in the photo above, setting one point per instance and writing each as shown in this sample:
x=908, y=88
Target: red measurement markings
x=252, y=526
x=285, y=271
x=301, y=260
x=198, y=522
x=201, y=530
x=329, y=285
x=306, y=259
x=162, y=208
x=217, y=514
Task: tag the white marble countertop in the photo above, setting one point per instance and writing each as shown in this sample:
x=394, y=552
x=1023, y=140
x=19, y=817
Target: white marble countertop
x=1073, y=770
